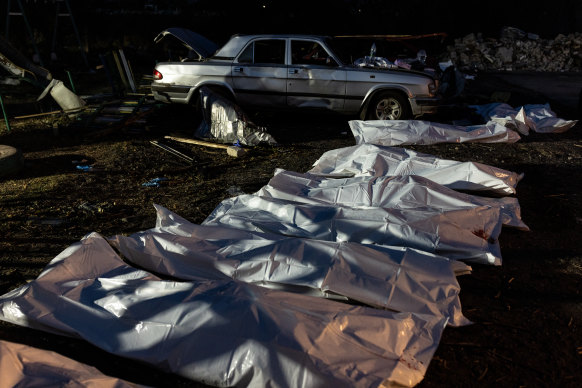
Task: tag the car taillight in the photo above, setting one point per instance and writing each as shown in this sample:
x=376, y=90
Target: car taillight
x=158, y=75
x=432, y=88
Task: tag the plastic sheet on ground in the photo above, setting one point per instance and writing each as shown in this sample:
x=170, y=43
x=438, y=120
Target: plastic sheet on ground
x=401, y=279
x=374, y=160
x=225, y=122
x=221, y=332
x=536, y=117
x=406, y=192
x=26, y=366
x=465, y=234
x=406, y=132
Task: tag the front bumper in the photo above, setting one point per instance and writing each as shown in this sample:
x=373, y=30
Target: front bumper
x=425, y=105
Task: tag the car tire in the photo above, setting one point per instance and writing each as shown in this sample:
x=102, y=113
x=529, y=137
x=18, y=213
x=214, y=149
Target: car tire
x=388, y=106
x=11, y=160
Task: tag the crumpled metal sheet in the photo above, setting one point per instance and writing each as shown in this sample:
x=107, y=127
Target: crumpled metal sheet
x=401, y=279
x=221, y=332
x=536, y=117
x=374, y=160
x=406, y=132
x=405, y=192
x=224, y=121
x=67, y=100
x=26, y=366
x=465, y=234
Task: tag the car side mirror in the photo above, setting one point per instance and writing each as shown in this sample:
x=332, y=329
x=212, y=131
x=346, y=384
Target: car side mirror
x=329, y=61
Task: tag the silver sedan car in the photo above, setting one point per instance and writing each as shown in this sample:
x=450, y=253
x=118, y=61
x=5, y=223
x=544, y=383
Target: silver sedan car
x=291, y=71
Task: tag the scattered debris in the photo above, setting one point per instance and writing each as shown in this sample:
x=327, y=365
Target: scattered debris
x=234, y=151
x=103, y=117
x=517, y=50
x=156, y=182
x=20, y=66
x=45, y=221
x=67, y=100
x=173, y=151
x=91, y=208
x=197, y=142
x=84, y=167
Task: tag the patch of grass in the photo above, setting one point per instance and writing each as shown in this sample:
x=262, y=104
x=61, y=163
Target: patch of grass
x=29, y=189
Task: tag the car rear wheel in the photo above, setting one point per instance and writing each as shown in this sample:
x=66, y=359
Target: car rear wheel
x=388, y=106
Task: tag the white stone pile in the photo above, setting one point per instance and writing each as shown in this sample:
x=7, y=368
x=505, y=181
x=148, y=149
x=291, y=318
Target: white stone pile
x=517, y=50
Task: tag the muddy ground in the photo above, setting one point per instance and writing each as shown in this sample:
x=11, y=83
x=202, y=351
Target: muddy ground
x=527, y=313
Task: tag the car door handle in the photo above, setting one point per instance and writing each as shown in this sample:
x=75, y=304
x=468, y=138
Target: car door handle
x=239, y=69
x=293, y=71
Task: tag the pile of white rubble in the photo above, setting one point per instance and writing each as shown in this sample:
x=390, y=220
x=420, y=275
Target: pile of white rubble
x=516, y=50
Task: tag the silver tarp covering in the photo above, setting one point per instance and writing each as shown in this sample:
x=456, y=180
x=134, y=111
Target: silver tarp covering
x=25, y=366
x=401, y=279
x=224, y=121
x=505, y=115
x=222, y=332
x=465, y=234
x=535, y=117
x=405, y=192
x=374, y=160
x=406, y=132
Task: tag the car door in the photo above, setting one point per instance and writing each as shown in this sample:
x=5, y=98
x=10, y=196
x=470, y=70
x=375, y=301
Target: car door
x=259, y=74
x=315, y=78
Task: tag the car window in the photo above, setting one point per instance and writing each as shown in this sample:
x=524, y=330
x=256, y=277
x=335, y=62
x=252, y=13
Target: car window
x=247, y=54
x=268, y=51
x=264, y=52
x=304, y=52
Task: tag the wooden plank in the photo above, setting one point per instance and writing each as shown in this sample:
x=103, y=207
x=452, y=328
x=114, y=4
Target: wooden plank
x=197, y=142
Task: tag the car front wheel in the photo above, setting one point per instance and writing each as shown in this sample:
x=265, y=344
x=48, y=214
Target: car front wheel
x=388, y=106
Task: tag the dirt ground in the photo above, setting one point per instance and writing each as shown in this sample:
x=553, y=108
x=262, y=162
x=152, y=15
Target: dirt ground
x=527, y=313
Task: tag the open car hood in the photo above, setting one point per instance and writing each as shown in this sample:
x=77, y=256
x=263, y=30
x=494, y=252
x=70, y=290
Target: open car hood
x=193, y=41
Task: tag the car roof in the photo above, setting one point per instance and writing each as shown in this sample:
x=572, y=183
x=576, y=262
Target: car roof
x=232, y=48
